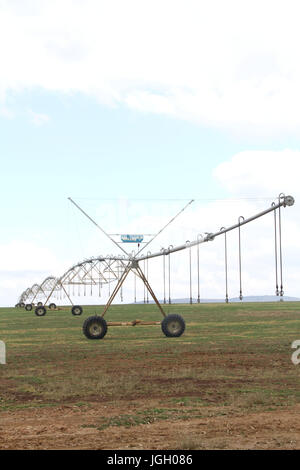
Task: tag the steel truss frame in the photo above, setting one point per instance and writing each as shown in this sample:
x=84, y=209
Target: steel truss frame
x=104, y=270
x=133, y=260
x=38, y=290
x=93, y=272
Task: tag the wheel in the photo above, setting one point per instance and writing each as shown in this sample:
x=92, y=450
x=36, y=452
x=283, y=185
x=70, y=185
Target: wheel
x=76, y=310
x=22, y=304
x=39, y=304
x=28, y=307
x=40, y=311
x=173, y=325
x=17, y=305
x=95, y=327
x=52, y=306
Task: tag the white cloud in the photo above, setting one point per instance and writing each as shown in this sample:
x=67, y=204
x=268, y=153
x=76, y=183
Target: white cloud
x=6, y=112
x=21, y=255
x=38, y=119
x=267, y=173
x=231, y=64
x=24, y=263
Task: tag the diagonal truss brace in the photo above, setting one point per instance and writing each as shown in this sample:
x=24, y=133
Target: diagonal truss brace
x=132, y=266
x=117, y=244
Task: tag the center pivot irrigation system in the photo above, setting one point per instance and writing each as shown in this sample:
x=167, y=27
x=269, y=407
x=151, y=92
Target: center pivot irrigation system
x=94, y=272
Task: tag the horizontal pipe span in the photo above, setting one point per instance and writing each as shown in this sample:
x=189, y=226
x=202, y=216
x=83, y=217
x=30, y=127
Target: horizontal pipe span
x=287, y=201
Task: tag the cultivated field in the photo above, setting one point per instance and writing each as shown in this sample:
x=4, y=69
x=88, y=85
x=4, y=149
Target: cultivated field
x=227, y=383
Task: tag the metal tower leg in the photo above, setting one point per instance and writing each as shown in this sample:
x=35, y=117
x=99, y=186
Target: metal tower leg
x=132, y=265
x=118, y=286
x=145, y=281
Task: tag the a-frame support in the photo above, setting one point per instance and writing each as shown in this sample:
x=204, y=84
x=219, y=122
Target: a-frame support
x=132, y=265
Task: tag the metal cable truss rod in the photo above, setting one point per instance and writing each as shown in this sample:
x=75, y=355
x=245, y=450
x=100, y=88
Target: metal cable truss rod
x=95, y=223
x=118, y=244
x=262, y=198
x=283, y=202
x=165, y=226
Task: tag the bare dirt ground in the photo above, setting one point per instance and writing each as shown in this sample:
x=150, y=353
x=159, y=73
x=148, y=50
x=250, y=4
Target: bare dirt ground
x=72, y=427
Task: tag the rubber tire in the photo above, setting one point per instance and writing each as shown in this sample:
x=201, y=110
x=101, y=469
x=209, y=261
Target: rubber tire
x=173, y=325
x=100, y=327
x=76, y=310
x=22, y=304
x=28, y=307
x=52, y=306
x=40, y=311
x=40, y=304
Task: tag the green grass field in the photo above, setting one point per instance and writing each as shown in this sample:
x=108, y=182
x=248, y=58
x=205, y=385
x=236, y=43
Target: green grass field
x=231, y=357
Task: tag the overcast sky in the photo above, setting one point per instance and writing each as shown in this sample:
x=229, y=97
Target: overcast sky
x=119, y=104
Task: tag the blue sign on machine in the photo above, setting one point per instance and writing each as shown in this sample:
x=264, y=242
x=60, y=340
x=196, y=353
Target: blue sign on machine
x=132, y=238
